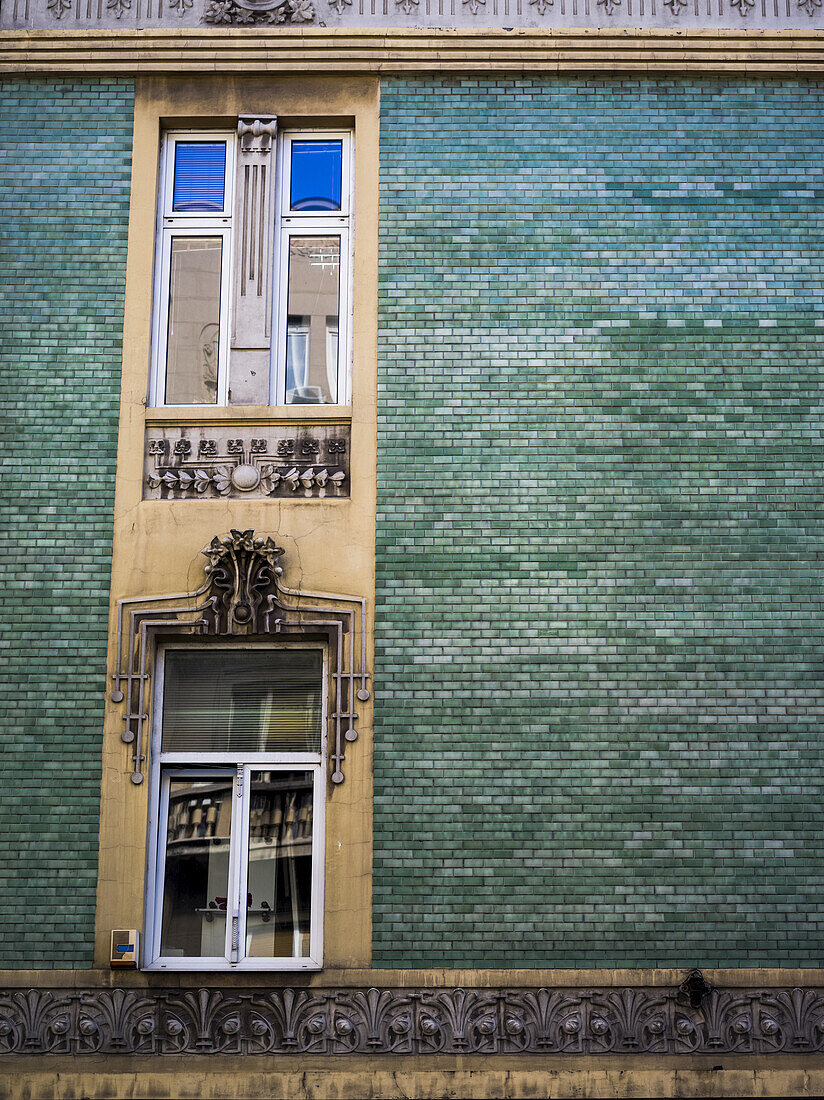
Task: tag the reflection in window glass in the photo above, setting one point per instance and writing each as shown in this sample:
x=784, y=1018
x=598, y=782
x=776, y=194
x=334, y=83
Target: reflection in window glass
x=297, y=351
x=279, y=883
x=199, y=176
x=194, y=321
x=196, y=879
x=315, y=175
x=312, y=308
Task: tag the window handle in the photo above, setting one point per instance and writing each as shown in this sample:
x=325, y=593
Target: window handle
x=234, y=938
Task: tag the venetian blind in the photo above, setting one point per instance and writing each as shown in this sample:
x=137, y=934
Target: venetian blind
x=199, y=172
x=242, y=701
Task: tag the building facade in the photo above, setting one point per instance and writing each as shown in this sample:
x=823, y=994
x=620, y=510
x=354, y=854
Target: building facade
x=412, y=485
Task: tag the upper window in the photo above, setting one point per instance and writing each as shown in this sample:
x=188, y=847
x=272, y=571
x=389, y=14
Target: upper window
x=236, y=836
x=252, y=284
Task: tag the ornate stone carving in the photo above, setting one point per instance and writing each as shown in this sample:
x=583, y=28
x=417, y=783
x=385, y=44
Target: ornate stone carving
x=242, y=595
x=410, y=1021
x=242, y=572
x=246, y=12
x=256, y=134
x=546, y=15
x=204, y=462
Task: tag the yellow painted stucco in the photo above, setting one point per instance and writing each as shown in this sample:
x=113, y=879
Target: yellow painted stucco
x=410, y=1078
x=329, y=544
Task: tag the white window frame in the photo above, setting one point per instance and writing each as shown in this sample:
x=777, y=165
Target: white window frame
x=191, y=223
x=343, y=373
x=287, y=223
x=313, y=223
x=166, y=766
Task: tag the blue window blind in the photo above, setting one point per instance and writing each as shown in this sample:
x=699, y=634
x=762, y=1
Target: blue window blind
x=200, y=171
x=316, y=175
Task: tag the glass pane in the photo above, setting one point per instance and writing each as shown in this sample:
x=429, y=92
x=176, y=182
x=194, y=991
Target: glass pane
x=312, y=308
x=194, y=321
x=279, y=886
x=196, y=879
x=316, y=175
x=252, y=700
x=200, y=173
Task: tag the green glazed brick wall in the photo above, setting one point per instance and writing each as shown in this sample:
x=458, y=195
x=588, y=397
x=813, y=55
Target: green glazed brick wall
x=599, y=579
x=66, y=150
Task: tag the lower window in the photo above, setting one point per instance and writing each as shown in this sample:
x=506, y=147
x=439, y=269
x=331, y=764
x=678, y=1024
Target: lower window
x=237, y=829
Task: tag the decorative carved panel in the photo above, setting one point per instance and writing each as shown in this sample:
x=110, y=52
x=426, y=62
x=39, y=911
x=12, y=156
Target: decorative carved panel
x=242, y=596
x=252, y=306
x=435, y=14
x=416, y=1021
x=292, y=462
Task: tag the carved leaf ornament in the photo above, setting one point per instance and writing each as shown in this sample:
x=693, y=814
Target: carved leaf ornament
x=242, y=596
x=245, y=12
x=410, y=1021
x=228, y=13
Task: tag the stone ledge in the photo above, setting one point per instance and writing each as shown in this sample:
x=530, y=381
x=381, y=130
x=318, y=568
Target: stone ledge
x=476, y=1078
x=762, y=978
x=319, y=50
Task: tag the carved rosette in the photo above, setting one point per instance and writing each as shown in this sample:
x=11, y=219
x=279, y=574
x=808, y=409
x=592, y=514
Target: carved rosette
x=410, y=1021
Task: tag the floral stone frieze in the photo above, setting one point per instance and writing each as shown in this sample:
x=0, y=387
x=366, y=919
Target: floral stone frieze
x=309, y=462
x=638, y=1021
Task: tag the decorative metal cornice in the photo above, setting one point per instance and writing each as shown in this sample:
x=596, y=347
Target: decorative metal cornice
x=242, y=596
x=635, y=1021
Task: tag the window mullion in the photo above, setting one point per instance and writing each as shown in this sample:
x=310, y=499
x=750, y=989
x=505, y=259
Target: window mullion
x=225, y=318
x=239, y=869
x=160, y=867
x=318, y=835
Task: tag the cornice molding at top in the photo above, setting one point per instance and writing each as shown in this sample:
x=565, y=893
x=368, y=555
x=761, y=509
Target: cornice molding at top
x=326, y=49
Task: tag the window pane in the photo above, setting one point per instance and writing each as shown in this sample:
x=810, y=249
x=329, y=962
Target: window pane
x=279, y=885
x=253, y=700
x=196, y=880
x=194, y=321
x=316, y=175
x=200, y=173
x=312, y=308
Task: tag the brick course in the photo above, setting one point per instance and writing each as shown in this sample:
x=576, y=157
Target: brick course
x=599, y=648
x=66, y=147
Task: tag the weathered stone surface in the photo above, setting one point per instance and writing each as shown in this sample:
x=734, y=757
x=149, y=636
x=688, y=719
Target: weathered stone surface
x=741, y=15
x=411, y=1021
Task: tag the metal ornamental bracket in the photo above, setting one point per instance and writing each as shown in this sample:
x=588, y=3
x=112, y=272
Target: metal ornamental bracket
x=242, y=596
